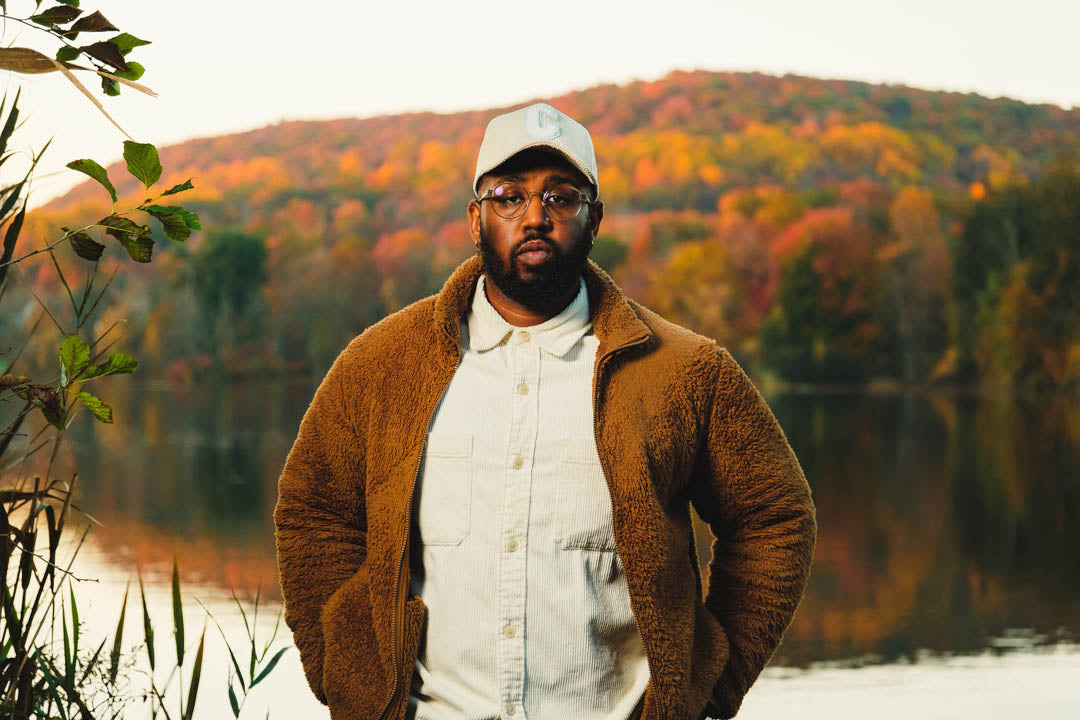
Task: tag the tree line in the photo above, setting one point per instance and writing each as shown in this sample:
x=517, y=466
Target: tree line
x=825, y=231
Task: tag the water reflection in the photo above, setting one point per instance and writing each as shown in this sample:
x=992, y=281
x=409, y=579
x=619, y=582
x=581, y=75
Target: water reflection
x=944, y=520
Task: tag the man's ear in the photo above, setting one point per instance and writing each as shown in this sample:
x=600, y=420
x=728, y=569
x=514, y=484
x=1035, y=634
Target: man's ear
x=596, y=214
x=472, y=211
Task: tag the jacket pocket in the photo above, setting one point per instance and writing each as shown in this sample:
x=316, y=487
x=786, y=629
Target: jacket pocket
x=582, y=499
x=353, y=677
x=444, y=489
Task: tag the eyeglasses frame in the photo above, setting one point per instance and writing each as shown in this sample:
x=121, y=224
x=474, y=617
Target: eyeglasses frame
x=543, y=198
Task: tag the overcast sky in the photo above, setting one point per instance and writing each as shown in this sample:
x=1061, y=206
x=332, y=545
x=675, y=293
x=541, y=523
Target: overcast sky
x=222, y=66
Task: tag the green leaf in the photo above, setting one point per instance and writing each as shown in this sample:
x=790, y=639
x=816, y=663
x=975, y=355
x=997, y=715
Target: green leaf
x=269, y=666
x=122, y=224
x=9, y=125
x=134, y=71
x=84, y=246
x=57, y=15
x=114, y=656
x=73, y=3
x=142, y=161
x=74, y=357
x=175, y=221
x=12, y=620
x=11, y=236
x=52, y=680
x=118, y=364
x=110, y=87
x=148, y=628
x=12, y=198
x=94, y=170
x=94, y=22
x=186, y=185
x=178, y=613
x=135, y=238
x=196, y=676
x=190, y=219
x=232, y=702
x=126, y=42
x=91, y=664
x=66, y=53
x=69, y=668
x=53, y=412
x=232, y=657
x=174, y=226
x=94, y=404
x=139, y=247
x=74, y=625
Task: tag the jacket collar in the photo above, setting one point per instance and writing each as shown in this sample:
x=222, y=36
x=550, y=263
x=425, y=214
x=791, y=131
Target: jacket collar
x=614, y=320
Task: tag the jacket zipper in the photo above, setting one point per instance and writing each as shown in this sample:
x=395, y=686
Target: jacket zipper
x=596, y=439
x=399, y=612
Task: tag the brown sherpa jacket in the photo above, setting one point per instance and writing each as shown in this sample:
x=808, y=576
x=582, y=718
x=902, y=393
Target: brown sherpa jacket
x=677, y=421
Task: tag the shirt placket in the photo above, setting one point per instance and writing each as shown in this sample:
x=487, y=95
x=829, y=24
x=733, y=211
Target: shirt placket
x=524, y=360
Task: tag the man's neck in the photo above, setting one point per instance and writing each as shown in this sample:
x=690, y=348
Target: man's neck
x=519, y=315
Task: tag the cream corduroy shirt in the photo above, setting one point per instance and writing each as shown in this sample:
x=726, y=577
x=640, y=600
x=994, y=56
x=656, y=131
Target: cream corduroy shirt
x=528, y=613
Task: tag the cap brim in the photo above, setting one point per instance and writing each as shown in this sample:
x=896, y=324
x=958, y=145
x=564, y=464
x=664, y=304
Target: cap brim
x=540, y=143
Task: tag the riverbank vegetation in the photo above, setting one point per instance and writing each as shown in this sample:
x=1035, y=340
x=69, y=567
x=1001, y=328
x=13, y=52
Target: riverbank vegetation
x=51, y=664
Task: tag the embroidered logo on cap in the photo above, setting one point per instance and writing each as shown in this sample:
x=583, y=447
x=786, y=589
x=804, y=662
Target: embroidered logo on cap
x=542, y=122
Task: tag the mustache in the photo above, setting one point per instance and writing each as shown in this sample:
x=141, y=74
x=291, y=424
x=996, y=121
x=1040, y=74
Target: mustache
x=530, y=238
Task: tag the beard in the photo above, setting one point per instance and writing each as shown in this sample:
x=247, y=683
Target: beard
x=544, y=288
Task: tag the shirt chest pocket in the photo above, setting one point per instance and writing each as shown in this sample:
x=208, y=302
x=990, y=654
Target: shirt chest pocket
x=583, y=517
x=445, y=489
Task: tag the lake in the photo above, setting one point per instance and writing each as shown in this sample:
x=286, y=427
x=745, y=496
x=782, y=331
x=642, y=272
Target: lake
x=947, y=560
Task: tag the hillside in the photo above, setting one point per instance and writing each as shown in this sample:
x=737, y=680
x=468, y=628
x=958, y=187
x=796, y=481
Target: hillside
x=813, y=226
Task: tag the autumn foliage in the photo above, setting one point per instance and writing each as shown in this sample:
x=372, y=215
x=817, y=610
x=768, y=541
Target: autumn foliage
x=824, y=231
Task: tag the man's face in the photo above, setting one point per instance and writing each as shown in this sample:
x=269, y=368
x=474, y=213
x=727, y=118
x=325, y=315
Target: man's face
x=534, y=260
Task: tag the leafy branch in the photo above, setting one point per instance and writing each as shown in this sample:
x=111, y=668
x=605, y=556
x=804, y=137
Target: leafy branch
x=108, y=58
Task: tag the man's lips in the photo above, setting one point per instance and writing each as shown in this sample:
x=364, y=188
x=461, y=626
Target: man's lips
x=534, y=251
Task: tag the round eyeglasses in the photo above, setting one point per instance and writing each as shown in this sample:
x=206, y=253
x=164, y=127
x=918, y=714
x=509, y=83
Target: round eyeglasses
x=510, y=200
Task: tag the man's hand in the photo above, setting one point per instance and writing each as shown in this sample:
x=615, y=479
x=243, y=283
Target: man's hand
x=752, y=492
x=320, y=521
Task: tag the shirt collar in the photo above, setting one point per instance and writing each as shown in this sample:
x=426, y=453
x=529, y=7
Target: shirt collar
x=487, y=328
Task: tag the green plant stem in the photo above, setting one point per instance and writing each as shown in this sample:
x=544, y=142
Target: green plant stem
x=60, y=274
x=48, y=247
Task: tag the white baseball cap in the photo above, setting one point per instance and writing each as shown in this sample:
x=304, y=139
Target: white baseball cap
x=538, y=125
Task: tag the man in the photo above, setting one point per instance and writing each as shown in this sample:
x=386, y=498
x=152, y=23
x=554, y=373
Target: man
x=486, y=513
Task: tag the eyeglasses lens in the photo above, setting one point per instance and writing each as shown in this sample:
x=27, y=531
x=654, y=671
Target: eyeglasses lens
x=509, y=200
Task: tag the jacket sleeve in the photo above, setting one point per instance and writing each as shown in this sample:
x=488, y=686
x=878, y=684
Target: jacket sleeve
x=752, y=493
x=319, y=520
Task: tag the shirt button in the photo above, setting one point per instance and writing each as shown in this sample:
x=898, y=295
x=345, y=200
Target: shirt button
x=508, y=631
x=511, y=545
x=519, y=462
x=509, y=708
x=524, y=336
x=523, y=389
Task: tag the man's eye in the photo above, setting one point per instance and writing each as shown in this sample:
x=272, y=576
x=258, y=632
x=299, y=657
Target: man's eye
x=556, y=199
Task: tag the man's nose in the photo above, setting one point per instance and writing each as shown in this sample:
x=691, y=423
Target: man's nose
x=536, y=215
